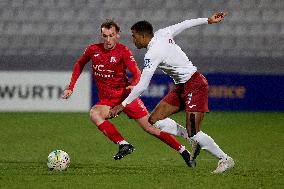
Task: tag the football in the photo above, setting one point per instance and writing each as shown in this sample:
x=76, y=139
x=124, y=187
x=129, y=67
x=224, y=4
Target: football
x=58, y=160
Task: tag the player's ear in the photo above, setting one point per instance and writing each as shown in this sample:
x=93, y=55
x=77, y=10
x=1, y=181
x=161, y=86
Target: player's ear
x=118, y=35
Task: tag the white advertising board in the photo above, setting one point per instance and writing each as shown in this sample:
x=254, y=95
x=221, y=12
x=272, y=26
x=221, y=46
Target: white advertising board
x=41, y=91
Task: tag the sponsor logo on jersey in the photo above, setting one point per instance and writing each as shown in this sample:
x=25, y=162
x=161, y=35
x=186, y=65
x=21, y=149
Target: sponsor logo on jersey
x=95, y=55
x=147, y=63
x=101, y=72
x=98, y=67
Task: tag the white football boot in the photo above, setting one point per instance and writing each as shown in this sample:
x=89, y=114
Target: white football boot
x=224, y=165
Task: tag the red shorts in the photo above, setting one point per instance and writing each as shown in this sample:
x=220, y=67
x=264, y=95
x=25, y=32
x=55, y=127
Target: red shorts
x=191, y=96
x=134, y=110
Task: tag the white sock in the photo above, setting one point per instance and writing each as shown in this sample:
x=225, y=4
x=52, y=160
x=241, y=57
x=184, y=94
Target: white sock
x=181, y=149
x=207, y=143
x=123, y=142
x=170, y=126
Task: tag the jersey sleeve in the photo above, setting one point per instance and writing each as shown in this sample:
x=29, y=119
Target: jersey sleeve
x=131, y=64
x=151, y=63
x=178, y=28
x=78, y=67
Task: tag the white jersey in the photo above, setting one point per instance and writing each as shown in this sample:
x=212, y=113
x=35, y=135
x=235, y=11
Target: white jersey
x=163, y=53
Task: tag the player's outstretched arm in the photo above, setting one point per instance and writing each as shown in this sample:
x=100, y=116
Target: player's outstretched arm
x=77, y=70
x=66, y=94
x=217, y=17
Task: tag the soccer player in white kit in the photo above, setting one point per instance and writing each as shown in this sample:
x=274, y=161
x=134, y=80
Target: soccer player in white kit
x=191, y=87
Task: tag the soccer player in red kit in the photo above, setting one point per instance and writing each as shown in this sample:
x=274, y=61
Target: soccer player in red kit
x=110, y=60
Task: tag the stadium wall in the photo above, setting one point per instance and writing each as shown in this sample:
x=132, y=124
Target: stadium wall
x=42, y=91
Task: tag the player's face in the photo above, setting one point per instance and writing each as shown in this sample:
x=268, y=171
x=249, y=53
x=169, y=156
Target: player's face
x=138, y=39
x=109, y=37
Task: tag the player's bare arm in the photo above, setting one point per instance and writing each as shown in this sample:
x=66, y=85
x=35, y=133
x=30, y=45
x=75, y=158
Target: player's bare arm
x=77, y=70
x=136, y=73
x=217, y=17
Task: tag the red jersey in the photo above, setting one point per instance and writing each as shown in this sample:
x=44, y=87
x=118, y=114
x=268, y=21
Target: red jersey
x=109, y=70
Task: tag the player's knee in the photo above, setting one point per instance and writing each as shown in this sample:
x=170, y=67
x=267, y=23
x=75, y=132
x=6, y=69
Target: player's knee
x=153, y=119
x=94, y=115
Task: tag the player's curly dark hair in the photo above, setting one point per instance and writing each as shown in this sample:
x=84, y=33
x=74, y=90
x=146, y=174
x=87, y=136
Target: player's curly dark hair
x=110, y=23
x=143, y=27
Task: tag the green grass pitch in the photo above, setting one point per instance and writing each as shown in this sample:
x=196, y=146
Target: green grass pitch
x=254, y=140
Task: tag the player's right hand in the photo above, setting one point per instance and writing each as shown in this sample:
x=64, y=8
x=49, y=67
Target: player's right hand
x=217, y=17
x=115, y=111
x=66, y=94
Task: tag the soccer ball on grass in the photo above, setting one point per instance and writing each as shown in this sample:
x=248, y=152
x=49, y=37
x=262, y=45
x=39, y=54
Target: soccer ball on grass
x=58, y=160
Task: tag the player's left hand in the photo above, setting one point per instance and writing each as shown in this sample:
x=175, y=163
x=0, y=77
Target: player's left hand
x=115, y=111
x=66, y=94
x=217, y=17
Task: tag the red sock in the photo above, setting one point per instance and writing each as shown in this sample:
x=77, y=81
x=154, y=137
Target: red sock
x=110, y=131
x=170, y=140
